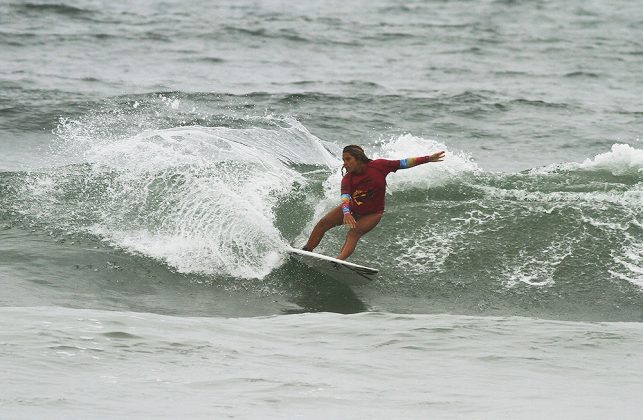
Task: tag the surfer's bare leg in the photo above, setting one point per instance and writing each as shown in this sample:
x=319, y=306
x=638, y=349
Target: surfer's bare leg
x=333, y=218
x=364, y=225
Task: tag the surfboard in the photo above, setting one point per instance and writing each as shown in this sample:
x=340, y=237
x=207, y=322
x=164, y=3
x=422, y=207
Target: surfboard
x=344, y=271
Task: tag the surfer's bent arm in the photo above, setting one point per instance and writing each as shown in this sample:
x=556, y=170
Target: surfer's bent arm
x=346, y=197
x=346, y=200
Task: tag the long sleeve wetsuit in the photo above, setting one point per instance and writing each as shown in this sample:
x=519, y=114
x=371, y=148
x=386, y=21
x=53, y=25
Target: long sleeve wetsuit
x=363, y=193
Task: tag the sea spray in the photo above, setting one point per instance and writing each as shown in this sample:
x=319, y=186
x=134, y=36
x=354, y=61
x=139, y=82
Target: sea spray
x=200, y=199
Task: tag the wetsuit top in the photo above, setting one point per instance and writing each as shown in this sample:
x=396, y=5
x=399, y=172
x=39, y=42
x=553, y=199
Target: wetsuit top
x=364, y=193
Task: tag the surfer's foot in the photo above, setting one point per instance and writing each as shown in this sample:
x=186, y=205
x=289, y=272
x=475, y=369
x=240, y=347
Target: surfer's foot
x=305, y=248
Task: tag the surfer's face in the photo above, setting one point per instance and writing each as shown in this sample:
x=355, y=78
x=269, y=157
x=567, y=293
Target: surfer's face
x=350, y=163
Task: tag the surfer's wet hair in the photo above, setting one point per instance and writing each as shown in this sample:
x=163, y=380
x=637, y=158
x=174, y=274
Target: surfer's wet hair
x=357, y=152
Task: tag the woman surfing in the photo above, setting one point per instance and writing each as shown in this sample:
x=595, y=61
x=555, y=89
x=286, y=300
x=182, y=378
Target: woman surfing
x=362, y=194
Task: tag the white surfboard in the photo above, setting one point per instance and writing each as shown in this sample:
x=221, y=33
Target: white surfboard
x=344, y=271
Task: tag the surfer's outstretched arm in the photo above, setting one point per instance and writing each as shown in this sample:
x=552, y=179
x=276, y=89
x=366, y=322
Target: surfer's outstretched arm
x=415, y=161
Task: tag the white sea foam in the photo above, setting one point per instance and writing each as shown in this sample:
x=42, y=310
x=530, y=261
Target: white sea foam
x=289, y=142
x=199, y=198
x=629, y=261
x=622, y=159
x=631, y=198
x=536, y=269
x=428, y=175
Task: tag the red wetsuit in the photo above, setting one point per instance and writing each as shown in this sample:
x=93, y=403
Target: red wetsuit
x=367, y=189
x=364, y=193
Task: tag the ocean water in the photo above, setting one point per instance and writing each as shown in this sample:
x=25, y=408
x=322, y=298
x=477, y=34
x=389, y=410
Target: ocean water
x=157, y=158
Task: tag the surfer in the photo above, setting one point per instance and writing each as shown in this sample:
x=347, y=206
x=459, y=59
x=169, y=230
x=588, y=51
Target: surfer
x=362, y=194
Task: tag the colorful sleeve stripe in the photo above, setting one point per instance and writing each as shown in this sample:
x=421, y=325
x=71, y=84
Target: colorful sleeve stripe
x=346, y=199
x=413, y=161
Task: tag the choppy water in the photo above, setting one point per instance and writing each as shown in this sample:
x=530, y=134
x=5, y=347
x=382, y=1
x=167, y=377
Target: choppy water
x=157, y=158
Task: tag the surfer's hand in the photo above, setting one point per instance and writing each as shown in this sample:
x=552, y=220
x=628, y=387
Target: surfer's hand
x=437, y=156
x=349, y=221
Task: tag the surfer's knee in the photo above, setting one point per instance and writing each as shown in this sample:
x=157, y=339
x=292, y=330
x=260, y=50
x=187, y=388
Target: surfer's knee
x=325, y=223
x=329, y=221
x=355, y=233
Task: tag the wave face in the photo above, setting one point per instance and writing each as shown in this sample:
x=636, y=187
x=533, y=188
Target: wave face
x=526, y=228
x=544, y=228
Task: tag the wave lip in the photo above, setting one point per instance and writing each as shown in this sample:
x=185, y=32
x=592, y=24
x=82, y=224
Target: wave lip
x=623, y=159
